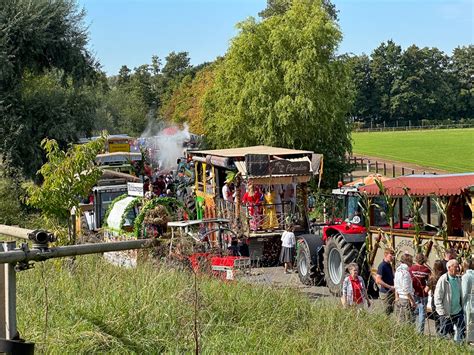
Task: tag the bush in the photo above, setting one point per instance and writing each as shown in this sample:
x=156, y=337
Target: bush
x=11, y=209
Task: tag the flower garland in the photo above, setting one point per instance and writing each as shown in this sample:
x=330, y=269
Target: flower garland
x=170, y=203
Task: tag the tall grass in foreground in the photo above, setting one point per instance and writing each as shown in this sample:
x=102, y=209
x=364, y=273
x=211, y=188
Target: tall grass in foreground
x=102, y=308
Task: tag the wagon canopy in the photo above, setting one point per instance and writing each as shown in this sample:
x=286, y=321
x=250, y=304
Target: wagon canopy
x=424, y=185
x=264, y=164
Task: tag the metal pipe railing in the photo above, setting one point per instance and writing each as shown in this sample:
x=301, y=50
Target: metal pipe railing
x=15, y=232
x=14, y=256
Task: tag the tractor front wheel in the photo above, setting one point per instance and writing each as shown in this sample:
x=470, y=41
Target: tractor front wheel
x=337, y=255
x=307, y=267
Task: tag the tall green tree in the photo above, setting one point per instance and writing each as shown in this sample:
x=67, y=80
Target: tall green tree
x=365, y=106
x=385, y=67
x=282, y=84
x=279, y=7
x=462, y=68
x=37, y=37
x=422, y=89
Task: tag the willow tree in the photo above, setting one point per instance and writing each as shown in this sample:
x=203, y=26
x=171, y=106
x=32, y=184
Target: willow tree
x=281, y=83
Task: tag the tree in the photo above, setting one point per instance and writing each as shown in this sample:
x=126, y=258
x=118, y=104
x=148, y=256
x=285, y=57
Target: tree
x=422, y=90
x=123, y=75
x=185, y=103
x=462, y=68
x=176, y=64
x=282, y=84
x=364, y=108
x=384, y=67
x=67, y=177
x=37, y=37
x=279, y=7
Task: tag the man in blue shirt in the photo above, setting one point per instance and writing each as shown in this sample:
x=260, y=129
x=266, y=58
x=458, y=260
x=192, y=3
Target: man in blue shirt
x=384, y=280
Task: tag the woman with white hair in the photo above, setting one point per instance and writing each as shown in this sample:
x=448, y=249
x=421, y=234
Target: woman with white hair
x=354, y=293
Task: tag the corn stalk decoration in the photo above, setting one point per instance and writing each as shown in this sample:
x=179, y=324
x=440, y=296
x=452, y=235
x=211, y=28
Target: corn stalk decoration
x=364, y=203
x=390, y=202
x=442, y=204
x=415, y=206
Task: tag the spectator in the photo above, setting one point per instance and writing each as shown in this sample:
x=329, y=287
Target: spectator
x=233, y=249
x=226, y=192
x=384, y=279
x=160, y=185
x=419, y=275
x=354, y=292
x=243, y=247
x=150, y=194
x=448, y=302
x=449, y=254
x=438, y=270
x=467, y=283
x=288, y=243
x=404, y=294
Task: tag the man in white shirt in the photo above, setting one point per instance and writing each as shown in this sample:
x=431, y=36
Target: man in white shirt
x=404, y=299
x=226, y=194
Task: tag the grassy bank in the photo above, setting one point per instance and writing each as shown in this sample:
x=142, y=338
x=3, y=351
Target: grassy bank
x=450, y=149
x=102, y=308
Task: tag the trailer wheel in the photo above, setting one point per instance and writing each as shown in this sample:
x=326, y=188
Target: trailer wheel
x=307, y=268
x=337, y=255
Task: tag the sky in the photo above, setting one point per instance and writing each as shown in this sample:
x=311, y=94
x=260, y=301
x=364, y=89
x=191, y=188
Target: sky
x=131, y=31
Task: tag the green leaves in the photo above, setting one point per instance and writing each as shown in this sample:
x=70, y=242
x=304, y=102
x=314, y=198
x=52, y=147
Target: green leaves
x=68, y=175
x=281, y=84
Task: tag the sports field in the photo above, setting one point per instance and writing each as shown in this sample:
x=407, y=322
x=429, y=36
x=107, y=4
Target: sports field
x=451, y=150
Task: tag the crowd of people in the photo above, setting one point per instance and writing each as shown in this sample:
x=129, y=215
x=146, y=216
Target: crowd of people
x=407, y=290
x=158, y=185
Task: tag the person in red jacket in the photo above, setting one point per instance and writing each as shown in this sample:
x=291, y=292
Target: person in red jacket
x=252, y=200
x=420, y=274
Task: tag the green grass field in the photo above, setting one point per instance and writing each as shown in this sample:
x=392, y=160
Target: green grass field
x=451, y=150
x=100, y=308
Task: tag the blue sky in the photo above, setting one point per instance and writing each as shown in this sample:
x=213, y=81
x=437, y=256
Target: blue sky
x=131, y=31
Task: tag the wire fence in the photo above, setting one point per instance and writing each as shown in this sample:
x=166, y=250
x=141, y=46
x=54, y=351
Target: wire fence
x=384, y=128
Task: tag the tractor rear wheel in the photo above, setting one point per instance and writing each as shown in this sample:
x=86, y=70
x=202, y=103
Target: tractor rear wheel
x=337, y=255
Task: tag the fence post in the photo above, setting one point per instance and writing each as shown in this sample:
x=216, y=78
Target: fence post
x=376, y=167
x=384, y=169
x=403, y=171
x=412, y=171
x=8, y=297
x=368, y=165
x=393, y=170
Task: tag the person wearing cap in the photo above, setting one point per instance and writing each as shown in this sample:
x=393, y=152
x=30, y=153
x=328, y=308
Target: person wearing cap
x=384, y=279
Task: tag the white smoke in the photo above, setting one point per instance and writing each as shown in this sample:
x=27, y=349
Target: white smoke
x=165, y=144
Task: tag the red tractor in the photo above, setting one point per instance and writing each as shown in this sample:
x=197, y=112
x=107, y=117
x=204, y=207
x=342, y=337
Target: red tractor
x=323, y=255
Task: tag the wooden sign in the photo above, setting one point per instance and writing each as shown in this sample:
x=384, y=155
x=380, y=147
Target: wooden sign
x=286, y=167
